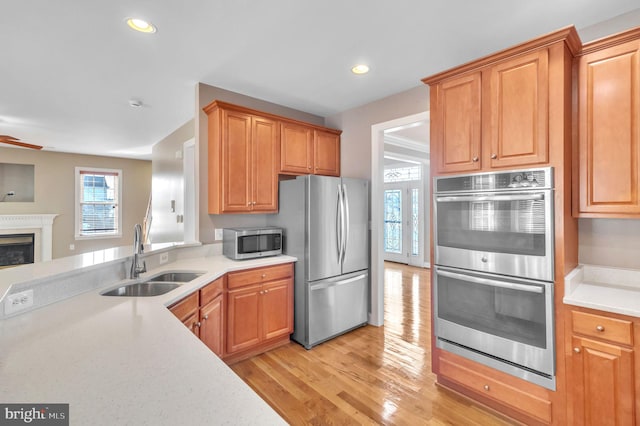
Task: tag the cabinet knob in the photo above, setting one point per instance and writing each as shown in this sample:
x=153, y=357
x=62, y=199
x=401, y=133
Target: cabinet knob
x=576, y=350
x=198, y=324
x=475, y=159
x=264, y=275
x=494, y=156
x=206, y=317
x=487, y=388
x=600, y=328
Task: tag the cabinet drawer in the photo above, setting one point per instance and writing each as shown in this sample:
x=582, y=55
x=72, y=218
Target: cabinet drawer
x=186, y=307
x=211, y=291
x=259, y=275
x=602, y=327
x=529, y=404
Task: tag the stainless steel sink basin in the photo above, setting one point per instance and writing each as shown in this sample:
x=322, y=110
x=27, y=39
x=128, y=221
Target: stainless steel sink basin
x=176, y=277
x=144, y=289
x=154, y=285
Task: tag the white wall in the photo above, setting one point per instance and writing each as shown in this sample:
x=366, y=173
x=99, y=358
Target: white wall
x=167, y=184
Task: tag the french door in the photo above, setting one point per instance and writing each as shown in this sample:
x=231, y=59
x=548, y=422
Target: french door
x=403, y=222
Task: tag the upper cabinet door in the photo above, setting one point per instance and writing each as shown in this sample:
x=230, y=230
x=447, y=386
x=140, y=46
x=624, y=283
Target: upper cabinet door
x=456, y=127
x=265, y=151
x=609, y=139
x=296, y=149
x=236, y=157
x=516, y=105
x=326, y=153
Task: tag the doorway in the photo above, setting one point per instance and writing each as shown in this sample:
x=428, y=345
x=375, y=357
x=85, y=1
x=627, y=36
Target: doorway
x=386, y=137
x=403, y=218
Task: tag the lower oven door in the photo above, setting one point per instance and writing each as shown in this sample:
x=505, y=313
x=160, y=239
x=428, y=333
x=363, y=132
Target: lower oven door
x=507, y=321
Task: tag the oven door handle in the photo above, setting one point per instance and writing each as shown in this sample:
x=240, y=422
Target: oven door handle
x=492, y=283
x=519, y=197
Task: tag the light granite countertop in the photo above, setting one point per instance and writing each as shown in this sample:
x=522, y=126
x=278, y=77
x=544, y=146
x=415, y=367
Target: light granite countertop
x=123, y=360
x=604, y=288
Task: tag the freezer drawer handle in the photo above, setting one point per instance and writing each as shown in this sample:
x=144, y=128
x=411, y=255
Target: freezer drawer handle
x=321, y=286
x=492, y=283
x=523, y=197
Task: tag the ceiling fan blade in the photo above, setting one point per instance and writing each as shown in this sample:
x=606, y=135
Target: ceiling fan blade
x=22, y=144
x=7, y=137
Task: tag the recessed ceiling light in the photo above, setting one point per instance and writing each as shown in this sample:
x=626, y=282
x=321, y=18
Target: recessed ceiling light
x=360, y=69
x=135, y=103
x=141, y=25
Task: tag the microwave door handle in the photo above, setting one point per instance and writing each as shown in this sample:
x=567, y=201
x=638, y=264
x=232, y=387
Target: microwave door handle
x=514, y=197
x=492, y=283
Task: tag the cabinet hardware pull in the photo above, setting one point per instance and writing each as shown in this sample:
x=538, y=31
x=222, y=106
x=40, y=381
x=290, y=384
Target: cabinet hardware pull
x=576, y=350
x=264, y=275
x=198, y=324
x=206, y=317
x=494, y=156
x=475, y=159
x=487, y=388
x=600, y=328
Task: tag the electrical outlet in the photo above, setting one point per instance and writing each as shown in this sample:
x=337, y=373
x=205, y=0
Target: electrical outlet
x=18, y=301
x=218, y=234
x=164, y=258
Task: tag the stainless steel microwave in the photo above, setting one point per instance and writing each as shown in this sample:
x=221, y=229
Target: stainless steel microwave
x=251, y=243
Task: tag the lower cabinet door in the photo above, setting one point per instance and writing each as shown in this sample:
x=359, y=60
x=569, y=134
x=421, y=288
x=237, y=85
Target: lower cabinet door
x=211, y=325
x=244, y=322
x=277, y=309
x=603, y=393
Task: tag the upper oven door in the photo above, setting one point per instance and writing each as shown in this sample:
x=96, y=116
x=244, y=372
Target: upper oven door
x=508, y=232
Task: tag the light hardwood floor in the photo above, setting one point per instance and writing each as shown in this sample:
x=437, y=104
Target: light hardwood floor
x=372, y=375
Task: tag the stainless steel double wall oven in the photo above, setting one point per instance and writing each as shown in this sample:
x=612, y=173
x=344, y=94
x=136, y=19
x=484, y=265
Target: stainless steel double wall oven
x=494, y=270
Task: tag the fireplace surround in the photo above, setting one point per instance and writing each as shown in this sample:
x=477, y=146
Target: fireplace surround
x=40, y=225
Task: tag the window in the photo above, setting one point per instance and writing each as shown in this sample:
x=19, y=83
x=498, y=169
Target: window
x=98, y=203
x=402, y=174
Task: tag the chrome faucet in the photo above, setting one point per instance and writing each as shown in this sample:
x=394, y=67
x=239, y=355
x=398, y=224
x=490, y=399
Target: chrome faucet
x=136, y=267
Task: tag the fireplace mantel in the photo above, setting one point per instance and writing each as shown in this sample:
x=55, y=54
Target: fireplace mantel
x=40, y=224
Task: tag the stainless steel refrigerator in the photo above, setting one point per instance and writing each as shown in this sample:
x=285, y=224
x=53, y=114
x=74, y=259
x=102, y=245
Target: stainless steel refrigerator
x=325, y=222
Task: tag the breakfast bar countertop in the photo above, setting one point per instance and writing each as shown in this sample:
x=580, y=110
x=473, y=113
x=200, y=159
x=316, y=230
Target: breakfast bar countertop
x=127, y=360
x=604, y=288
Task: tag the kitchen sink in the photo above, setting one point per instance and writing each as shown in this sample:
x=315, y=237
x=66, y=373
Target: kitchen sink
x=176, y=277
x=154, y=285
x=144, y=289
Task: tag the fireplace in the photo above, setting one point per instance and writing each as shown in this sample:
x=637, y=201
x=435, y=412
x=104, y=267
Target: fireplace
x=40, y=225
x=16, y=249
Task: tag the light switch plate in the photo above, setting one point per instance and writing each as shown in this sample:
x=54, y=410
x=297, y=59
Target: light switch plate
x=218, y=234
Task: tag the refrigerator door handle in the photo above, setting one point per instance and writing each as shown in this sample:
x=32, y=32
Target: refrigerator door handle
x=339, y=224
x=320, y=286
x=345, y=200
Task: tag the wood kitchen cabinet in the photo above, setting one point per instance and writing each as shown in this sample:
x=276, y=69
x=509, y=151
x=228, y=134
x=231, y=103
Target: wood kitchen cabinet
x=606, y=179
x=247, y=149
x=259, y=310
x=211, y=316
x=243, y=161
x=307, y=150
x=495, y=112
x=603, y=378
x=521, y=400
x=203, y=313
x=186, y=311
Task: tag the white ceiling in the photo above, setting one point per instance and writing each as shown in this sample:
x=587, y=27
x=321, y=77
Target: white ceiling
x=71, y=66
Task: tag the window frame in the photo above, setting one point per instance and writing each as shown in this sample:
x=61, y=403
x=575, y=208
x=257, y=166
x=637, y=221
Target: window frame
x=79, y=171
